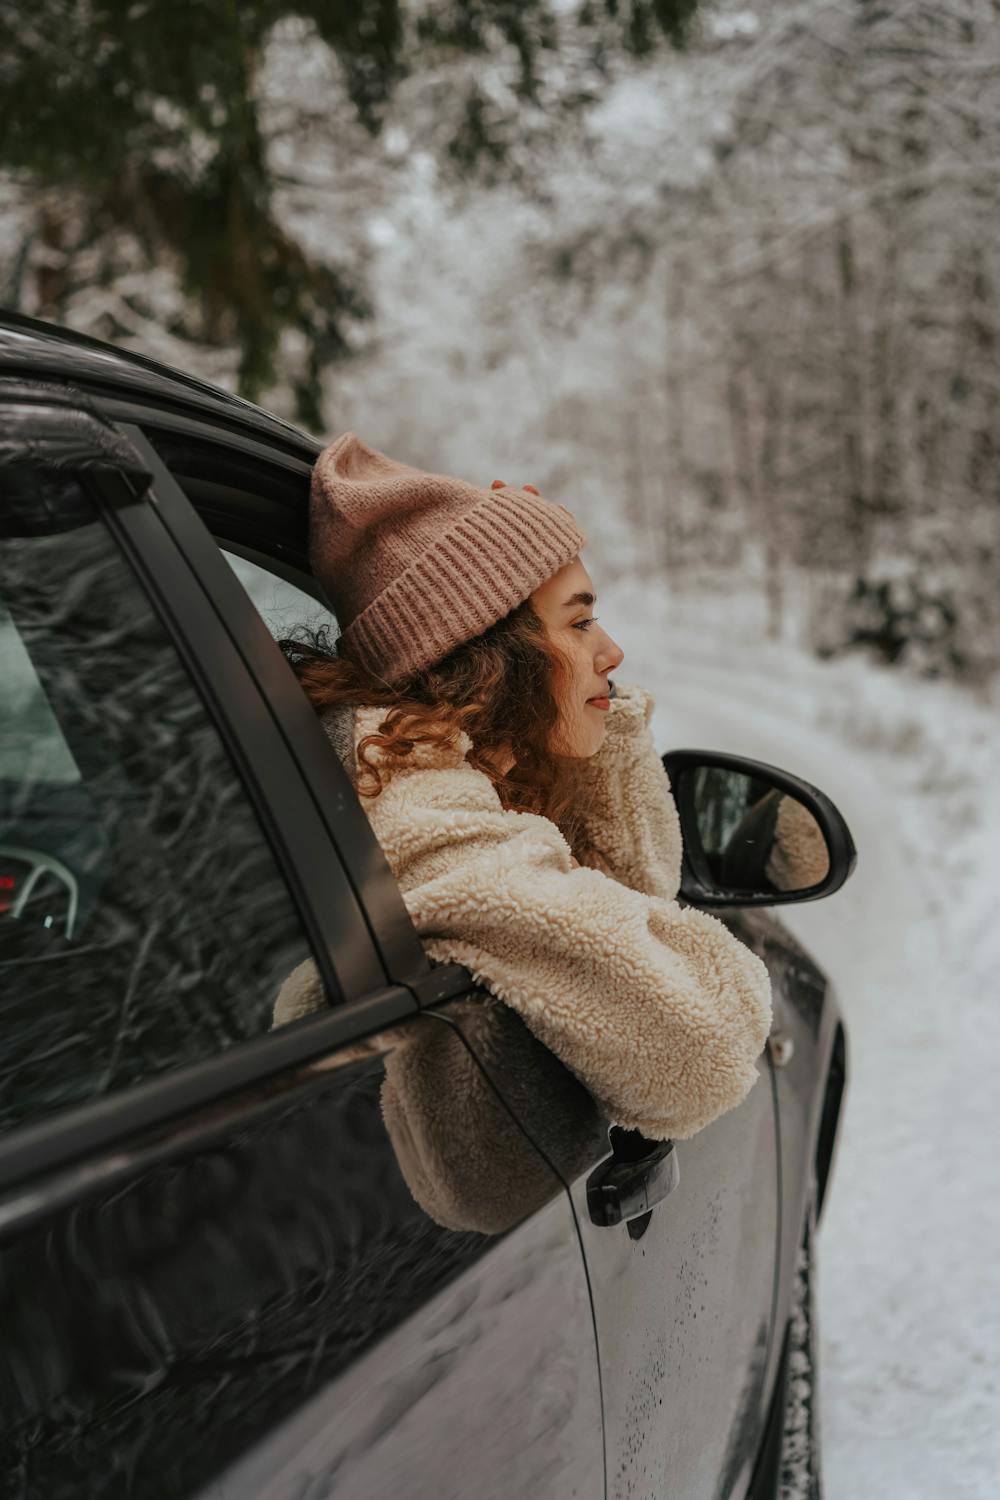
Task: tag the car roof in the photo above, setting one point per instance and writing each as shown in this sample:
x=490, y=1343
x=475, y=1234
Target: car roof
x=45, y=351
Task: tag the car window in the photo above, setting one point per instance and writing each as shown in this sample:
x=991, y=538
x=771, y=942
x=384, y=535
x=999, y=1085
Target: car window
x=144, y=924
x=284, y=608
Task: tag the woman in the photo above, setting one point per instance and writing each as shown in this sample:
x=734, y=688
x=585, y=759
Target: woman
x=524, y=811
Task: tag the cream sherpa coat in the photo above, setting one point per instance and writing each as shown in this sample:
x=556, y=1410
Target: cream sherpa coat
x=657, y=1009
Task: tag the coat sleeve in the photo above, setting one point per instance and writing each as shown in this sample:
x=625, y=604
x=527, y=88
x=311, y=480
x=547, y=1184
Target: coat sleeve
x=799, y=856
x=630, y=816
x=659, y=1011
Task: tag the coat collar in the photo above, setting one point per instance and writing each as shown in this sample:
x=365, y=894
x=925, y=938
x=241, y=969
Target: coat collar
x=346, y=724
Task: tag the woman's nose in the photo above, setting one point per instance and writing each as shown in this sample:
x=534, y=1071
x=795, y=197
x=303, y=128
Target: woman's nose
x=612, y=655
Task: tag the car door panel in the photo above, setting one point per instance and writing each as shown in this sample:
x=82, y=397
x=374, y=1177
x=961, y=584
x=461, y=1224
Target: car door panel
x=684, y=1312
x=491, y=1386
x=684, y=1303
x=808, y=1018
x=218, y=1296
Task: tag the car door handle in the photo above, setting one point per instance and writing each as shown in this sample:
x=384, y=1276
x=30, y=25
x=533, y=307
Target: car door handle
x=631, y=1182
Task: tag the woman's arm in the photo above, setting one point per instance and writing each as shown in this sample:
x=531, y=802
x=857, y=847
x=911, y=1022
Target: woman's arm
x=659, y=1011
x=629, y=811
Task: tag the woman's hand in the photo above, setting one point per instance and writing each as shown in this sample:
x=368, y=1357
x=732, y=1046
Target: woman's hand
x=574, y=863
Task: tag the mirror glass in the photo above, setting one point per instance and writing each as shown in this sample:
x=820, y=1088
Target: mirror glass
x=754, y=836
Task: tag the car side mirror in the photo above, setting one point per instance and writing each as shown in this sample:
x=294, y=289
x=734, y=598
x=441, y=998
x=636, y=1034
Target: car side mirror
x=755, y=835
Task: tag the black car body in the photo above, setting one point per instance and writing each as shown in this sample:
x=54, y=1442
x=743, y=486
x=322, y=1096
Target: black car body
x=243, y=1262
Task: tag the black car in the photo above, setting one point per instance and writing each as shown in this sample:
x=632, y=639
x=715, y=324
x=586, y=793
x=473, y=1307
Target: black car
x=391, y=1251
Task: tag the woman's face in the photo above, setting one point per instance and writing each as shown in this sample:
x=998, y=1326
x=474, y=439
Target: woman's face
x=565, y=605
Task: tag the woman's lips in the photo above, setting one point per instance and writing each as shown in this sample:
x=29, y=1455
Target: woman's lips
x=602, y=703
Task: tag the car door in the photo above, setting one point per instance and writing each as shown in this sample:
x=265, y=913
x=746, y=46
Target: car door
x=683, y=1295
x=684, y=1379
x=683, y=1292
x=234, y=1258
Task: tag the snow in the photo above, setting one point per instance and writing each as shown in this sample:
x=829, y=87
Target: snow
x=909, y=1270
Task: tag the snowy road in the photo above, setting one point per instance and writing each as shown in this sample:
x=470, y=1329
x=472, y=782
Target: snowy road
x=909, y=1300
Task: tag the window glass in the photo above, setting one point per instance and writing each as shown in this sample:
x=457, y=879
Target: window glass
x=283, y=607
x=143, y=921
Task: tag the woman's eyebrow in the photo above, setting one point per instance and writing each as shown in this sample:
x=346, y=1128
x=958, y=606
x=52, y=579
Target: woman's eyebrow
x=580, y=599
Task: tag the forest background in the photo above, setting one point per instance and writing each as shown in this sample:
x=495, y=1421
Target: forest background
x=721, y=278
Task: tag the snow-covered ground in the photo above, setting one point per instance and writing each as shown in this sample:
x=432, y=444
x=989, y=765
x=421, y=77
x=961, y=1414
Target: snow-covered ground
x=909, y=1249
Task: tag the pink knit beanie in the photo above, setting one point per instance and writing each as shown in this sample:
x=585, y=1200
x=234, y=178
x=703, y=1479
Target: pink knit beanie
x=414, y=564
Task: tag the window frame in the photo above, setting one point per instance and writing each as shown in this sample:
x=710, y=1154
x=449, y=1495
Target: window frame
x=327, y=906
x=335, y=801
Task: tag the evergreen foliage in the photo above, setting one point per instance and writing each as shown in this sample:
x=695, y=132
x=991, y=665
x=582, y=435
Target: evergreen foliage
x=143, y=119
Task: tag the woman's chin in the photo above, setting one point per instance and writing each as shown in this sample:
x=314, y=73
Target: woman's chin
x=585, y=742
x=590, y=744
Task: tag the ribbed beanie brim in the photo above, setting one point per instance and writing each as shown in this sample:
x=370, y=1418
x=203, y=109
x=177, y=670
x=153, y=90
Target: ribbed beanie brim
x=415, y=564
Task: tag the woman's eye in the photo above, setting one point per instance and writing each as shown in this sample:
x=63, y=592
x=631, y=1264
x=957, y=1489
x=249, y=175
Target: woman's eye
x=584, y=624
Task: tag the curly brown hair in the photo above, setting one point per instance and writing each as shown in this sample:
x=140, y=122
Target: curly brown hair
x=502, y=688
